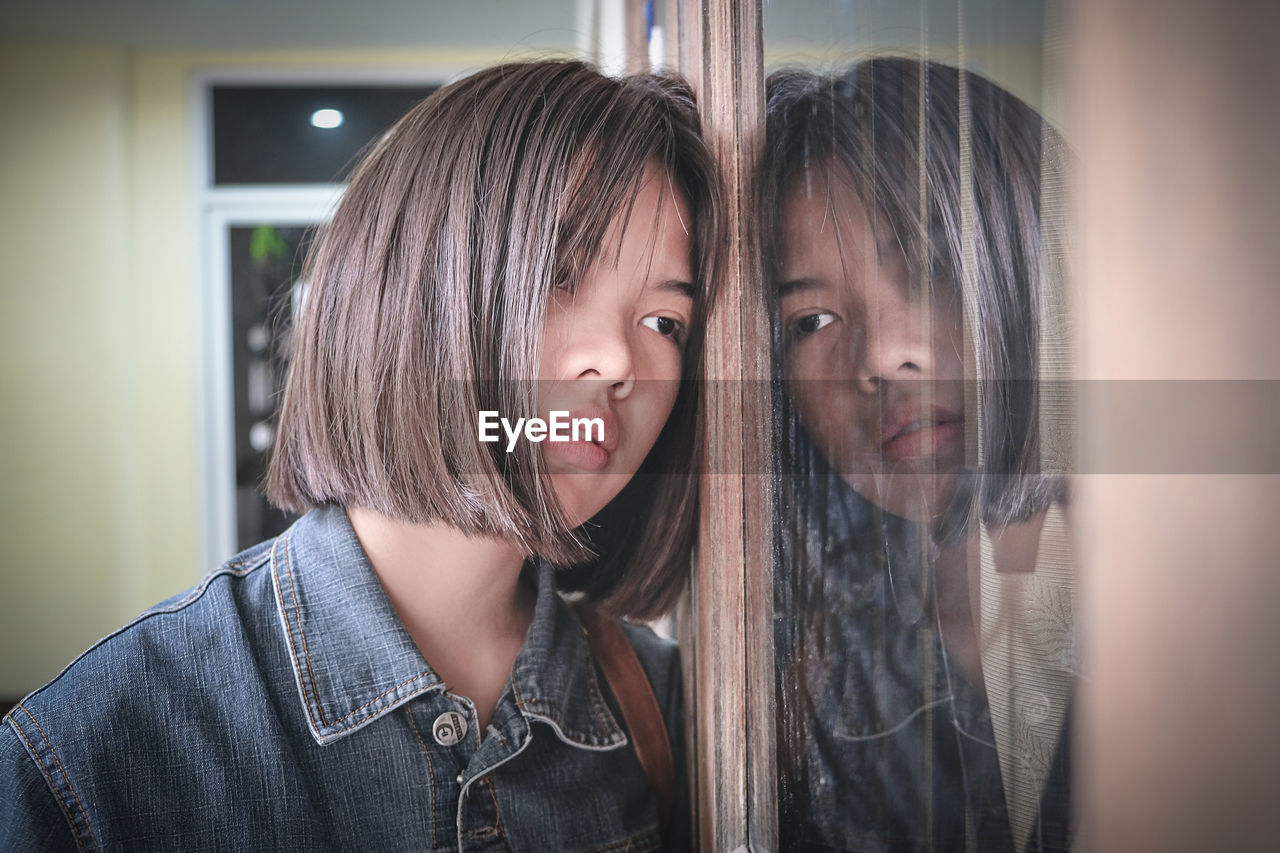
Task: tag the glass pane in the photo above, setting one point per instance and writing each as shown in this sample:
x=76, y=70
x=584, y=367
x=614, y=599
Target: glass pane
x=300, y=134
x=911, y=215
x=266, y=261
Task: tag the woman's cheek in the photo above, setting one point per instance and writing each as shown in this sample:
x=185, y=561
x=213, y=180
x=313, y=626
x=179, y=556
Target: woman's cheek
x=809, y=364
x=666, y=372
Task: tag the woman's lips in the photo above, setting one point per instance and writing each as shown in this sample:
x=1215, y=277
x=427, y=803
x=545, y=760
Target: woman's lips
x=588, y=455
x=585, y=455
x=922, y=437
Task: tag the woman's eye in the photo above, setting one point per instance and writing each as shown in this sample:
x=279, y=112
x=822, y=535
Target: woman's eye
x=810, y=323
x=665, y=326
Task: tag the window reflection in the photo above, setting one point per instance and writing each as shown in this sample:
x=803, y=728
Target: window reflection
x=301, y=134
x=924, y=596
x=265, y=262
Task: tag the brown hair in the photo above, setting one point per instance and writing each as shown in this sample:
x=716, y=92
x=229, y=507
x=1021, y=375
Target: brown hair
x=867, y=122
x=427, y=295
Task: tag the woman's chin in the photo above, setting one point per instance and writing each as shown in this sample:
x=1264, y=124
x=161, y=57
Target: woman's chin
x=923, y=498
x=582, y=495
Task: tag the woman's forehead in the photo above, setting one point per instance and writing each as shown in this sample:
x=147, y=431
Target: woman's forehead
x=657, y=210
x=824, y=202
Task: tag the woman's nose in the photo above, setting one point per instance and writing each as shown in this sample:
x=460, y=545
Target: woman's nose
x=895, y=346
x=601, y=353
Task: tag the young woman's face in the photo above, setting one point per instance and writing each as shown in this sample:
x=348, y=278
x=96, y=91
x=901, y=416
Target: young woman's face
x=612, y=349
x=874, y=366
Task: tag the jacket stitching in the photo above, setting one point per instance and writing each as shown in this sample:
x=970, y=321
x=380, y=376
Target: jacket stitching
x=540, y=708
x=536, y=708
x=597, y=698
x=497, y=812
x=288, y=634
x=65, y=778
x=431, y=774
x=288, y=568
x=306, y=656
x=582, y=740
x=607, y=732
x=379, y=698
x=195, y=594
x=231, y=567
x=53, y=785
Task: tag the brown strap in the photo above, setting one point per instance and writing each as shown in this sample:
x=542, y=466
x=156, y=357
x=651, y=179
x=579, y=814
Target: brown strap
x=640, y=708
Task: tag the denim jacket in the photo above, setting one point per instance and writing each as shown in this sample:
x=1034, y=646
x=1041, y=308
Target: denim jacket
x=886, y=746
x=281, y=705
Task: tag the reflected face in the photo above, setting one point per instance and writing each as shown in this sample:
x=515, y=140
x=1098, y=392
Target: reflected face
x=613, y=348
x=874, y=366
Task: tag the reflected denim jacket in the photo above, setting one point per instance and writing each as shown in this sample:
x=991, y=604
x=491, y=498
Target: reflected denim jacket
x=281, y=705
x=885, y=744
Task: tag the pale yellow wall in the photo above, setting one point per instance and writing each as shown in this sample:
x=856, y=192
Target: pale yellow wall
x=65, y=408
x=100, y=504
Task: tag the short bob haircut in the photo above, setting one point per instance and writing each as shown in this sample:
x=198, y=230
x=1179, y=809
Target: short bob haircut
x=427, y=296
x=874, y=124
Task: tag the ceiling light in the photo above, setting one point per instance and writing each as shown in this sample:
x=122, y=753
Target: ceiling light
x=326, y=118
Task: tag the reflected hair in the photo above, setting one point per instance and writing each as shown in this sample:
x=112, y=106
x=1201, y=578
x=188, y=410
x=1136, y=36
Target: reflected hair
x=426, y=298
x=896, y=129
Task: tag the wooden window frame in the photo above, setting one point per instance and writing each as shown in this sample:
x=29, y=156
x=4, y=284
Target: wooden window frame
x=721, y=51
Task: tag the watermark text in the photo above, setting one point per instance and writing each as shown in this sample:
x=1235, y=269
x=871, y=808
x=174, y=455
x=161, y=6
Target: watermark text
x=560, y=428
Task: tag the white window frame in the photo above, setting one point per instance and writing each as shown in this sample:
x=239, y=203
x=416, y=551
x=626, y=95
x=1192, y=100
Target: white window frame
x=219, y=208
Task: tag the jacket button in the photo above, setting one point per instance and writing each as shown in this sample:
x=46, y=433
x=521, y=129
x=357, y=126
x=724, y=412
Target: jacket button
x=449, y=728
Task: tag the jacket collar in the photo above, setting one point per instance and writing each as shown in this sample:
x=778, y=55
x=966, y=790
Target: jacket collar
x=353, y=660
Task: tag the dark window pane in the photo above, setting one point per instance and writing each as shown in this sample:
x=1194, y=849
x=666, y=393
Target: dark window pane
x=266, y=261
x=264, y=134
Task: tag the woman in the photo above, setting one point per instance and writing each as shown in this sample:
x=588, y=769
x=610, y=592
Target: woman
x=924, y=598
x=398, y=669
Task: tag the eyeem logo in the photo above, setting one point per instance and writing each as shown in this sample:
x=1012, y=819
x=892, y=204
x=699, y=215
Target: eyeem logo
x=559, y=428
